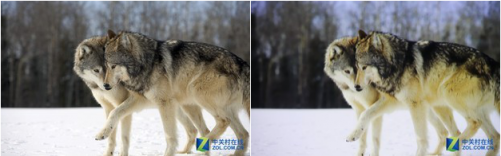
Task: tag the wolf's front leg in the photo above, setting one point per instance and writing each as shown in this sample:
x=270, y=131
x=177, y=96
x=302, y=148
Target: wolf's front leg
x=418, y=115
x=111, y=140
x=374, y=111
x=168, y=115
x=124, y=109
x=359, y=109
x=125, y=126
x=377, y=125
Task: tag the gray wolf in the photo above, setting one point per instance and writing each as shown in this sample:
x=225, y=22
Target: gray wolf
x=369, y=104
x=177, y=73
x=90, y=66
x=426, y=73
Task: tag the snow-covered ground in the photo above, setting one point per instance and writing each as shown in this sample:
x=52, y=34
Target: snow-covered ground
x=71, y=131
x=301, y=132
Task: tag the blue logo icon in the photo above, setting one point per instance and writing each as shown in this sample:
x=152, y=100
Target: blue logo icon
x=202, y=144
x=452, y=144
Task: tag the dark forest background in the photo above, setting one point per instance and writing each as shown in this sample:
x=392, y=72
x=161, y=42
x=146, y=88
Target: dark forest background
x=39, y=40
x=289, y=40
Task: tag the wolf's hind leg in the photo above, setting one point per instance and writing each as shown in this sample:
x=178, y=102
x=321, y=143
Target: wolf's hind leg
x=218, y=130
x=191, y=131
x=441, y=132
x=491, y=132
x=240, y=132
x=471, y=116
x=194, y=112
x=445, y=115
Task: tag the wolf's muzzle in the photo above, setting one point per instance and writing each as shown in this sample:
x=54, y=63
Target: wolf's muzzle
x=107, y=86
x=358, y=88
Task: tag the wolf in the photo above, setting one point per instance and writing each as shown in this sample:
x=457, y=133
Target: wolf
x=176, y=73
x=340, y=66
x=90, y=66
x=421, y=74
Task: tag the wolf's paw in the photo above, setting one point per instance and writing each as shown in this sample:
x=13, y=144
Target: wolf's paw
x=108, y=153
x=374, y=154
x=104, y=133
x=355, y=135
x=124, y=154
x=184, y=152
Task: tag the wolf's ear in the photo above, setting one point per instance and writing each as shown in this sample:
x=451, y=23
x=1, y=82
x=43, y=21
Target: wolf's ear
x=377, y=42
x=380, y=43
x=83, y=51
x=335, y=54
x=125, y=41
x=338, y=51
x=361, y=34
x=111, y=34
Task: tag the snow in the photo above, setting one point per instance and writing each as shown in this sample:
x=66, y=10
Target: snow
x=71, y=131
x=300, y=132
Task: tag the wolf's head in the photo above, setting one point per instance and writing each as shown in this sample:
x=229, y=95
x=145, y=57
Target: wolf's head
x=128, y=56
x=89, y=61
x=378, y=56
x=340, y=64
x=368, y=50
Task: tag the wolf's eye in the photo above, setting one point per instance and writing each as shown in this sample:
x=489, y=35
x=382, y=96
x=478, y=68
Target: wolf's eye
x=112, y=66
x=347, y=71
x=363, y=68
x=96, y=70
